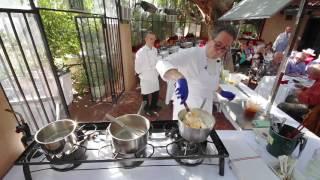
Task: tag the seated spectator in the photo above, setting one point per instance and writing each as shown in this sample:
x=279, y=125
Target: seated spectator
x=317, y=61
x=298, y=104
x=249, y=50
x=268, y=52
x=296, y=65
x=171, y=41
x=272, y=67
x=309, y=53
x=240, y=54
x=258, y=58
x=157, y=43
x=256, y=65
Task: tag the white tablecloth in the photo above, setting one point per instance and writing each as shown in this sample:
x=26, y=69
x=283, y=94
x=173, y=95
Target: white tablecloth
x=264, y=87
x=248, y=138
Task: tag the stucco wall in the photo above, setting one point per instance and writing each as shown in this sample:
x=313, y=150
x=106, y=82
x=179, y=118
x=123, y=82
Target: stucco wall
x=127, y=57
x=10, y=144
x=277, y=23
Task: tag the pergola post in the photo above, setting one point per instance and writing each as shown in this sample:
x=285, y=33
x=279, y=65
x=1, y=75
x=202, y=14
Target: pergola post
x=288, y=50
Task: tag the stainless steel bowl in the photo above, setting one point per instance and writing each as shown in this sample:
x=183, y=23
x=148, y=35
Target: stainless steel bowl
x=193, y=134
x=57, y=137
x=124, y=141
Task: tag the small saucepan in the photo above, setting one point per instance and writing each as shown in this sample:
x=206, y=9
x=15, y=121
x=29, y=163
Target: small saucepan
x=196, y=135
x=58, y=137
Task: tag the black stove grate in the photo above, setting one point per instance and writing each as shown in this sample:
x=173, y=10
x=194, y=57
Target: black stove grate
x=33, y=156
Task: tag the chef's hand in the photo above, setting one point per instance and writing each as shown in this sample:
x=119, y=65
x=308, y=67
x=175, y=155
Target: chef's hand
x=227, y=94
x=182, y=89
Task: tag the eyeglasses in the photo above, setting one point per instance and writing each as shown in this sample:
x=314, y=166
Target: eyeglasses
x=219, y=46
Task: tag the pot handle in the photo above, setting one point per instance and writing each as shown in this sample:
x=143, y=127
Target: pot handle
x=83, y=134
x=303, y=142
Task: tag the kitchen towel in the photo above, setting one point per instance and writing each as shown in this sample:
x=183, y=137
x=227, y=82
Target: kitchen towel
x=245, y=163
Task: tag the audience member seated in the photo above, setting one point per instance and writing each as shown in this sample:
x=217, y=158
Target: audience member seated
x=256, y=65
x=268, y=52
x=310, y=56
x=317, y=61
x=171, y=41
x=298, y=104
x=296, y=65
x=271, y=68
x=239, y=55
x=249, y=50
x=258, y=58
x=312, y=120
x=157, y=43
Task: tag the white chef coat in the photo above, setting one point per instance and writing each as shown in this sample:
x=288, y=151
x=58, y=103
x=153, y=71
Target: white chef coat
x=202, y=75
x=145, y=67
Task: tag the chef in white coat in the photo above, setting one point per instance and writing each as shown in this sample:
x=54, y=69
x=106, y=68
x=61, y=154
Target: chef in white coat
x=145, y=67
x=197, y=71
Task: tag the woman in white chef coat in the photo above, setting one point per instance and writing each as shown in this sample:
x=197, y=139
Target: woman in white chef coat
x=197, y=71
x=145, y=67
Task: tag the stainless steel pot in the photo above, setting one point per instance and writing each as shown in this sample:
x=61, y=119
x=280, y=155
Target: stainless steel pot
x=57, y=137
x=124, y=141
x=193, y=134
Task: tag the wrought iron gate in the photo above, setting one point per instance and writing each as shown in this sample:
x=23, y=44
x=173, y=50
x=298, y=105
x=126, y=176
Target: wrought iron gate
x=101, y=53
x=27, y=75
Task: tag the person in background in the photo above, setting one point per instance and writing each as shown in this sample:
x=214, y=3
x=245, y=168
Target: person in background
x=256, y=67
x=296, y=65
x=145, y=67
x=258, y=58
x=239, y=56
x=317, y=61
x=282, y=41
x=249, y=50
x=242, y=53
x=271, y=68
x=298, y=104
x=268, y=52
x=310, y=55
x=196, y=71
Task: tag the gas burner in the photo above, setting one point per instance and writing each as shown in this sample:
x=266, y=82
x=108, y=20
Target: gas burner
x=184, y=148
x=164, y=143
x=143, y=153
x=78, y=154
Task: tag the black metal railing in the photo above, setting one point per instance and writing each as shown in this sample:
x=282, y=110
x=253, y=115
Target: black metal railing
x=26, y=73
x=101, y=53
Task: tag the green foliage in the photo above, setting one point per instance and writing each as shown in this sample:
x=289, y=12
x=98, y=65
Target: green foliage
x=142, y=21
x=80, y=83
x=61, y=31
x=187, y=9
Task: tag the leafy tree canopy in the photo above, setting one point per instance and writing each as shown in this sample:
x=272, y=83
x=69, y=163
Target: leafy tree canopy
x=60, y=30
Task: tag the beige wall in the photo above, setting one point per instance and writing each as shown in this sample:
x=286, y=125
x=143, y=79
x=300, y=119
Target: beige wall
x=127, y=57
x=277, y=23
x=10, y=145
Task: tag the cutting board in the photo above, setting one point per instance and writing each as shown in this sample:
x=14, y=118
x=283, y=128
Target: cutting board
x=245, y=163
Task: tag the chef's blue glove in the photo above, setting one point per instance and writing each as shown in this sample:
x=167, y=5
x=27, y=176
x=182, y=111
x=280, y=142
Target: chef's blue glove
x=182, y=89
x=228, y=95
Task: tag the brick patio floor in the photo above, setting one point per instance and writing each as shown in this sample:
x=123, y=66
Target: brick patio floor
x=82, y=109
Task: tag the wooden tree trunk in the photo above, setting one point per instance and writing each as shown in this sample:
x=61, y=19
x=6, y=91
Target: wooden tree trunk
x=211, y=10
